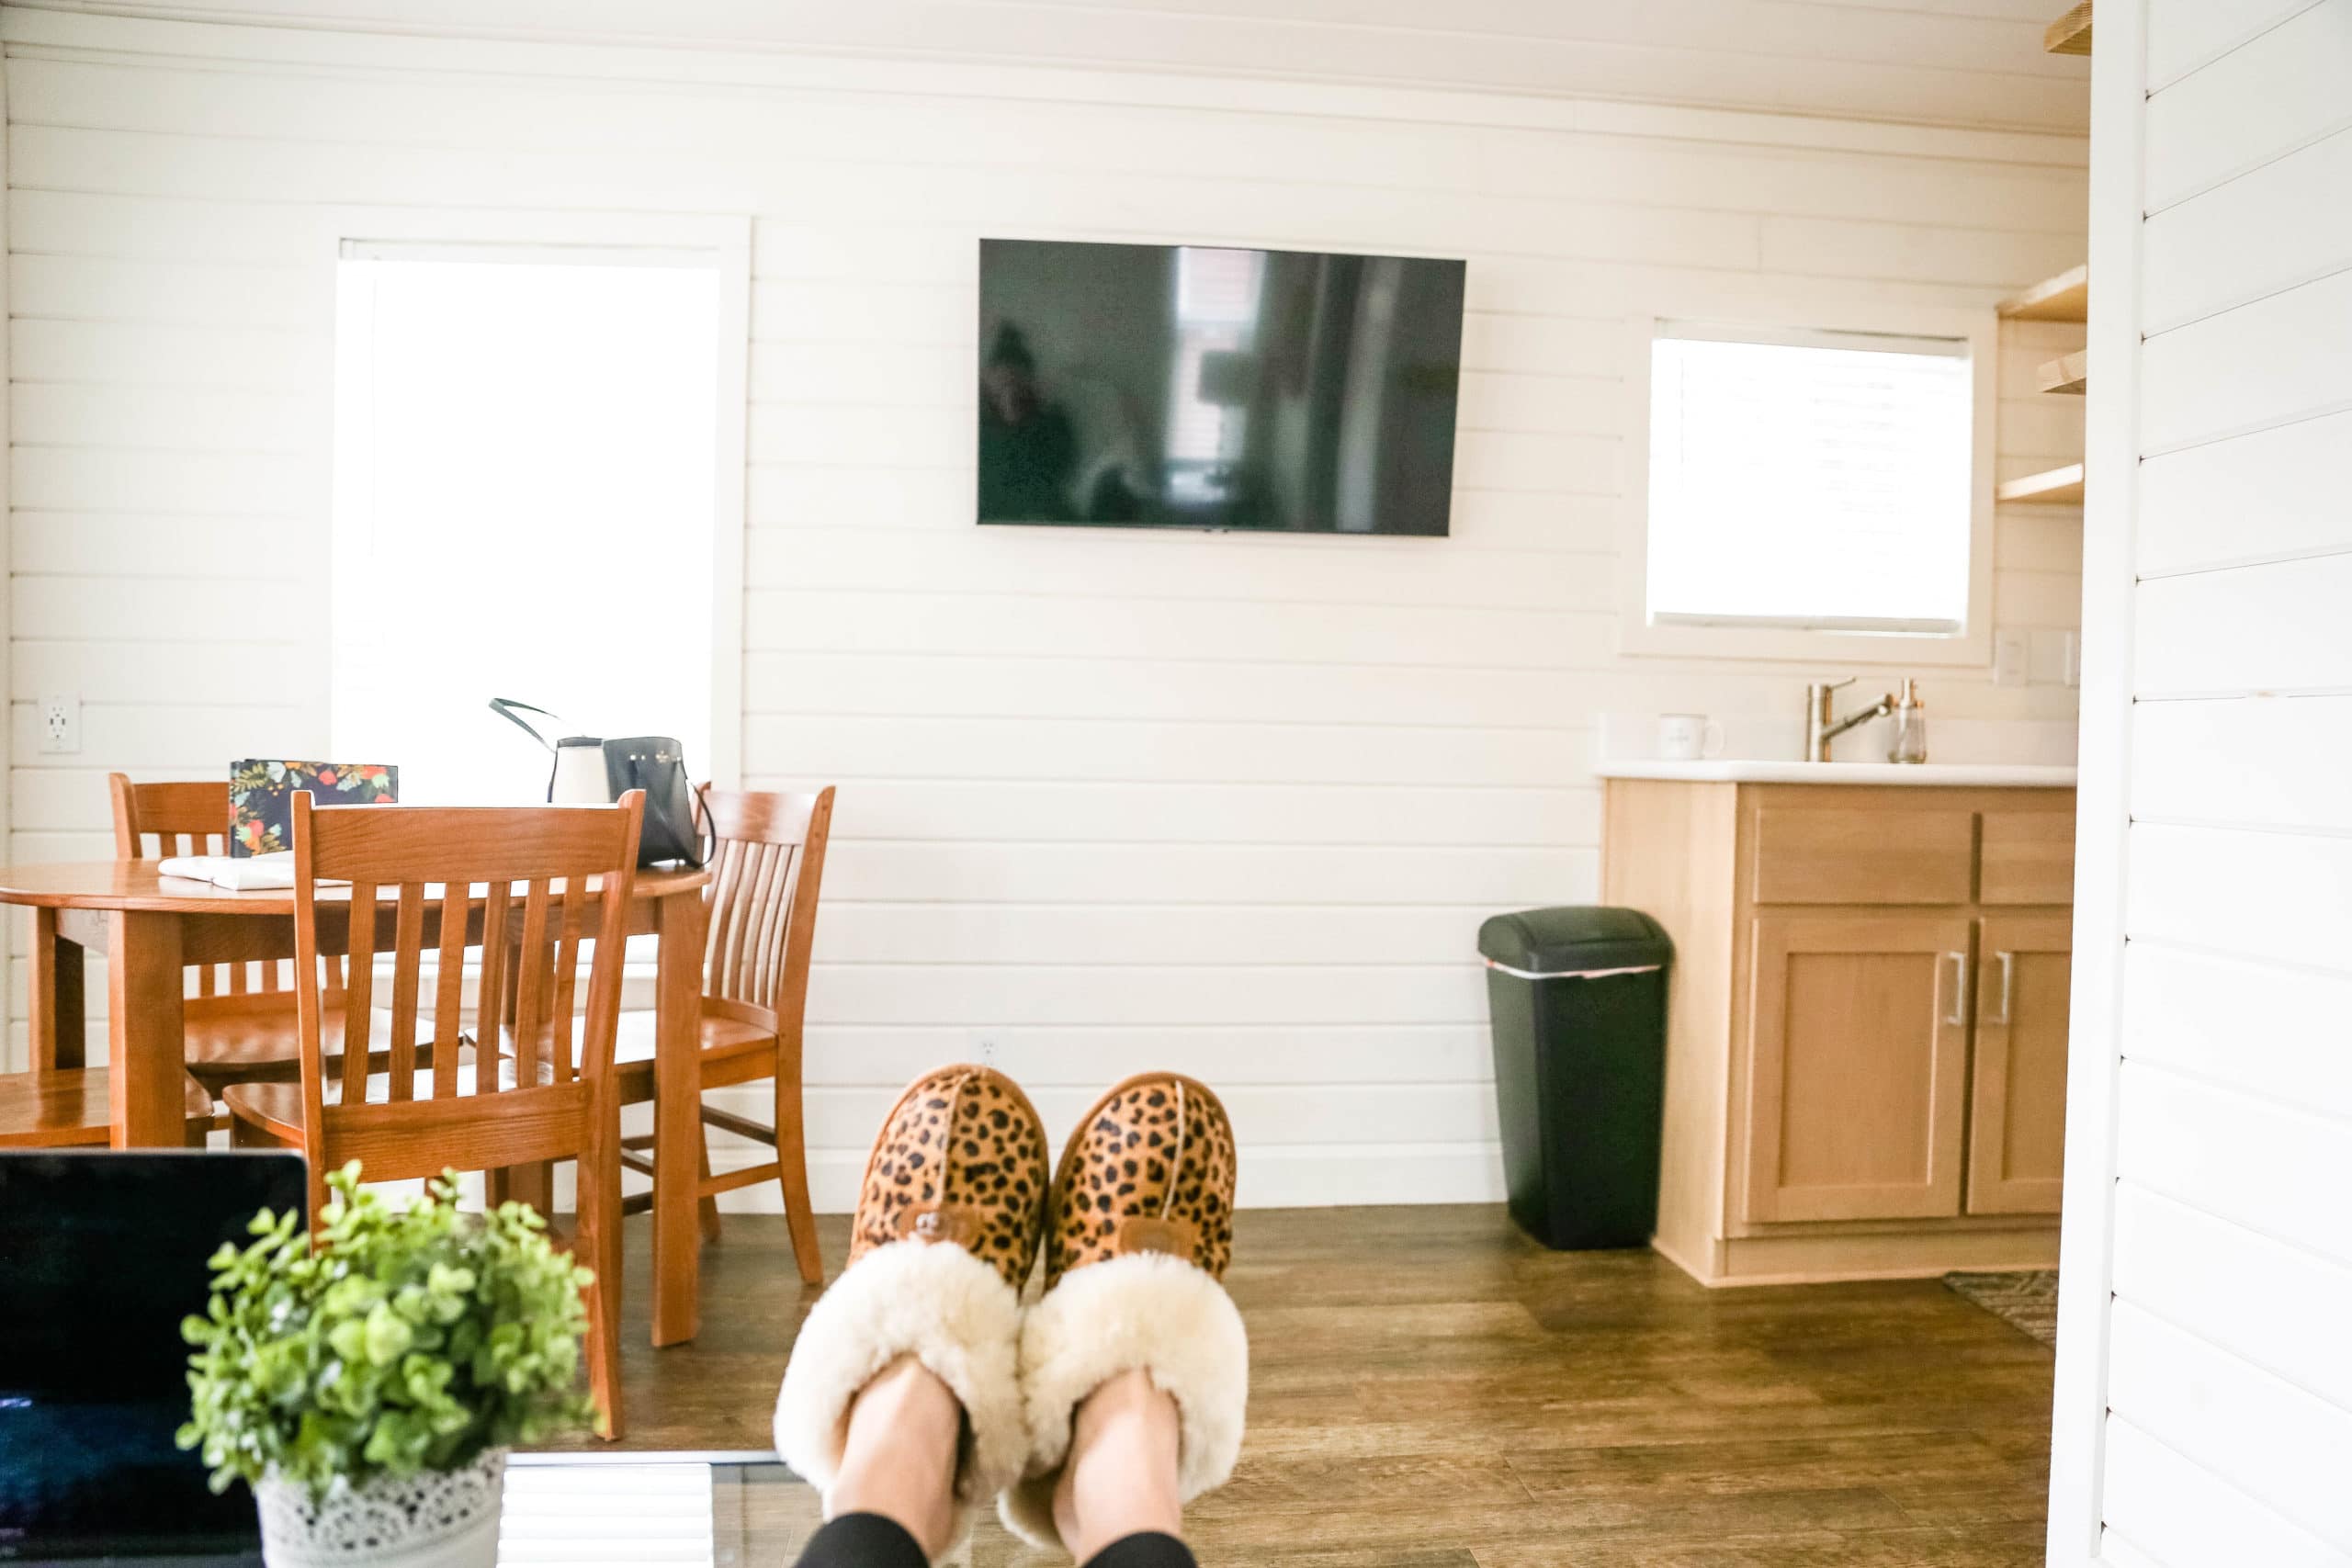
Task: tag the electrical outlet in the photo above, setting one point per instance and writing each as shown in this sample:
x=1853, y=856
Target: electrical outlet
x=987, y=1052
x=2048, y=662
x=2074, y=658
x=2011, y=658
x=61, y=723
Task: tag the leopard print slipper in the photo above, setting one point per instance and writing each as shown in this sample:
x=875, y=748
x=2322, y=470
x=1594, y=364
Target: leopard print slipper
x=1139, y=1233
x=945, y=1235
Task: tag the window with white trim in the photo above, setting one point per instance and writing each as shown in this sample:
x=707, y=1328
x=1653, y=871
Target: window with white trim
x=1813, y=481
x=527, y=440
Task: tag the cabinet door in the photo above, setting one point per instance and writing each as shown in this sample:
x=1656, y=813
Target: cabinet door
x=1858, y=1066
x=2018, y=1104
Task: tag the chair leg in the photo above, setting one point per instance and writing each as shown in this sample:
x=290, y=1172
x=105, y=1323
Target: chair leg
x=598, y=1245
x=496, y=1188
x=708, y=1208
x=792, y=1171
x=534, y=1183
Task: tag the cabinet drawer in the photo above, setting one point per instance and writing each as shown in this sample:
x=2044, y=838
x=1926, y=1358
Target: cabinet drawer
x=1807, y=856
x=2029, y=857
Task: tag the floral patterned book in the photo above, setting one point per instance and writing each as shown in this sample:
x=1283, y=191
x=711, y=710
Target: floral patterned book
x=260, y=797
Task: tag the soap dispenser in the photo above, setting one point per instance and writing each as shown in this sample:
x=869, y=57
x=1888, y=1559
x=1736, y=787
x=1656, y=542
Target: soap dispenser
x=1909, y=742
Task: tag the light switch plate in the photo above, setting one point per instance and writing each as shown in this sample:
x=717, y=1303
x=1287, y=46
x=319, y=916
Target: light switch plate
x=2011, y=659
x=2074, y=658
x=2048, y=662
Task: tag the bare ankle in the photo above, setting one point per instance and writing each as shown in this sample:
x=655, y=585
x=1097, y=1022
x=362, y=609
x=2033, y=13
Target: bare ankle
x=1120, y=1478
x=899, y=1456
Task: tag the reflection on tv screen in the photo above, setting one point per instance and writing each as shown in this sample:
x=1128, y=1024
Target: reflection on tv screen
x=1191, y=386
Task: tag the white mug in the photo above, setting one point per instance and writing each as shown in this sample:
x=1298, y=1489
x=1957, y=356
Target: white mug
x=1688, y=737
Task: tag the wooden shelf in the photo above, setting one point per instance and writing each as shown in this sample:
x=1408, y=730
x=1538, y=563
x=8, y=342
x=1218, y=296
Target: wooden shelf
x=2058, y=487
x=2067, y=375
x=2070, y=34
x=2066, y=298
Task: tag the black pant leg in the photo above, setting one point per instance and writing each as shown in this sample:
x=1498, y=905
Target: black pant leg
x=1148, y=1549
x=863, y=1540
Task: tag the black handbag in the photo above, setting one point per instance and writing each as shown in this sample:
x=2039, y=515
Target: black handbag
x=654, y=763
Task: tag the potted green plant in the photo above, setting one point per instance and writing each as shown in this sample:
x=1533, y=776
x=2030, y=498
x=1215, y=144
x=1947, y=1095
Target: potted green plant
x=370, y=1387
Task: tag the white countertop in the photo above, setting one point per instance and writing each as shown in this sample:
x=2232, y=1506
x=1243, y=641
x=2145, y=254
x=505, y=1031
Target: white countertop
x=1727, y=770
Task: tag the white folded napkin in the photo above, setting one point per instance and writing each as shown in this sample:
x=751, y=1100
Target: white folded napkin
x=238, y=873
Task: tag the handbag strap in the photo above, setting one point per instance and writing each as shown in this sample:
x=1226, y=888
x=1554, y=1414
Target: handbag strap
x=505, y=708
x=705, y=828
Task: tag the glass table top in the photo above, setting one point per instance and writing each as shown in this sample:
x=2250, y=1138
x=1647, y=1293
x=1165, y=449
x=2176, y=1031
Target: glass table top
x=740, y=1511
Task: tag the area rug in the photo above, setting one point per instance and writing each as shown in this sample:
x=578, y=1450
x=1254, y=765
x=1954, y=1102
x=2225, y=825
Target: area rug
x=2027, y=1301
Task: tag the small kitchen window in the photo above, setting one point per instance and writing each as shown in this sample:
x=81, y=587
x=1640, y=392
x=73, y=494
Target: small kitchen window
x=1814, y=493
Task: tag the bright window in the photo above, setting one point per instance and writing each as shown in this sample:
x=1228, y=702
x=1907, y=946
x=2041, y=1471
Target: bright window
x=526, y=478
x=1811, y=481
x=1216, y=318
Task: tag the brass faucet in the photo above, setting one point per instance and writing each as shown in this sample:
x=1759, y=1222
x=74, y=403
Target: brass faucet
x=1821, y=728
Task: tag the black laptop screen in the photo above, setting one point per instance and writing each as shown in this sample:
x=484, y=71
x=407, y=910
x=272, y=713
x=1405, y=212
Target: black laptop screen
x=101, y=1255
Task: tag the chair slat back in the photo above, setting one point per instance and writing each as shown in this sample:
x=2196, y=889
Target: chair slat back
x=767, y=865
x=190, y=817
x=463, y=866
x=184, y=817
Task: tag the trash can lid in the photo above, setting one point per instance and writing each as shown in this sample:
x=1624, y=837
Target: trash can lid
x=1573, y=939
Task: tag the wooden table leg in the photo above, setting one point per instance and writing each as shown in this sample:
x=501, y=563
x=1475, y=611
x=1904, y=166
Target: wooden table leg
x=55, y=1009
x=678, y=1120
x=145, y=986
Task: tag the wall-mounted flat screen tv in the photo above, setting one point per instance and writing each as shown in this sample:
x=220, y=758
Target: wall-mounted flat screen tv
x=1195, y=387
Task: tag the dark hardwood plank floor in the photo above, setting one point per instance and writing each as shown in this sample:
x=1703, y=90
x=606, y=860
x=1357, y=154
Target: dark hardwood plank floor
x=1431, y=1390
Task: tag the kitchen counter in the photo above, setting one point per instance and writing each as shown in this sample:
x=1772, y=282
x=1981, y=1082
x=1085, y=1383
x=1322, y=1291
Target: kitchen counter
x=1727, y=770
x=1866, y=1019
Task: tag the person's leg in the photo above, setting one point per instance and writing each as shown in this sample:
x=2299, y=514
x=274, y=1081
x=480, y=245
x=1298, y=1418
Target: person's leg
x=1117, y=1502
x=1134, y=1362
x=862, y=1540
x=901, y=1404
x=900, y=1460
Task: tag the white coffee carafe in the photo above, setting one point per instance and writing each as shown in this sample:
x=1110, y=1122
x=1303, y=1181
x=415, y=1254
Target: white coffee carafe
x=578, y=778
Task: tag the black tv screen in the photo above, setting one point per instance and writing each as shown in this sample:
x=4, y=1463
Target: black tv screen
x=1192, y=387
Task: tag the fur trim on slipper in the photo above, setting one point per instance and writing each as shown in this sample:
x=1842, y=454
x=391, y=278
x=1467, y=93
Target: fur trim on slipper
x=1146, y=1310
x=952, y=1313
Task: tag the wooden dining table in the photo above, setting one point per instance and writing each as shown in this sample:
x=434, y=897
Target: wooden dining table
x=152, y=928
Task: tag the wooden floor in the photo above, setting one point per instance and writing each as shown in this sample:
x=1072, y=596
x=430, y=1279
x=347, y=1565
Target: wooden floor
x=1430, y=1390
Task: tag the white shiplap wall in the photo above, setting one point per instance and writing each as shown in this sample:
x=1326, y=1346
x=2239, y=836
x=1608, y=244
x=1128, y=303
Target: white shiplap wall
x=2204, y=1414
x=1234, y=804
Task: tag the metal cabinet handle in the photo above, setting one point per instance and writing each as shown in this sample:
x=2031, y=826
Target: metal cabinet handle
x=1958, y=1016
x=2008, y=978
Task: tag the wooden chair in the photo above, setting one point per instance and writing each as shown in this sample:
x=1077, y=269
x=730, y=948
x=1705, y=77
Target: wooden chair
x=240, y=1024
x=64, y=1108
x=767, y=865
x=414, y=1120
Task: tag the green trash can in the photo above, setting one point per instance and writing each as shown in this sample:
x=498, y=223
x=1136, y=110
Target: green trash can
x=1577, y=1000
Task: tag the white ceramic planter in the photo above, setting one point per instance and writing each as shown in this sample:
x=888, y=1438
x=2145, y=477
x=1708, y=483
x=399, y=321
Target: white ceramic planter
x=438, y=1519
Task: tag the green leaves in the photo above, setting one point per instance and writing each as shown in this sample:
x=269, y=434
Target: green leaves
x=407, y=1339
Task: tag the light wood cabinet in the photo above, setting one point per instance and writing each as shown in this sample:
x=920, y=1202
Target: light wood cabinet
x=1815, y=855
x=1858, y=1067
x=2027, y=857
x=1867, y=1021
x=2017, y=1098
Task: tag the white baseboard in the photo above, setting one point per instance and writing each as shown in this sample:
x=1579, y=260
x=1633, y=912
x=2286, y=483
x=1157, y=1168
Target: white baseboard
x=1303, y=1178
